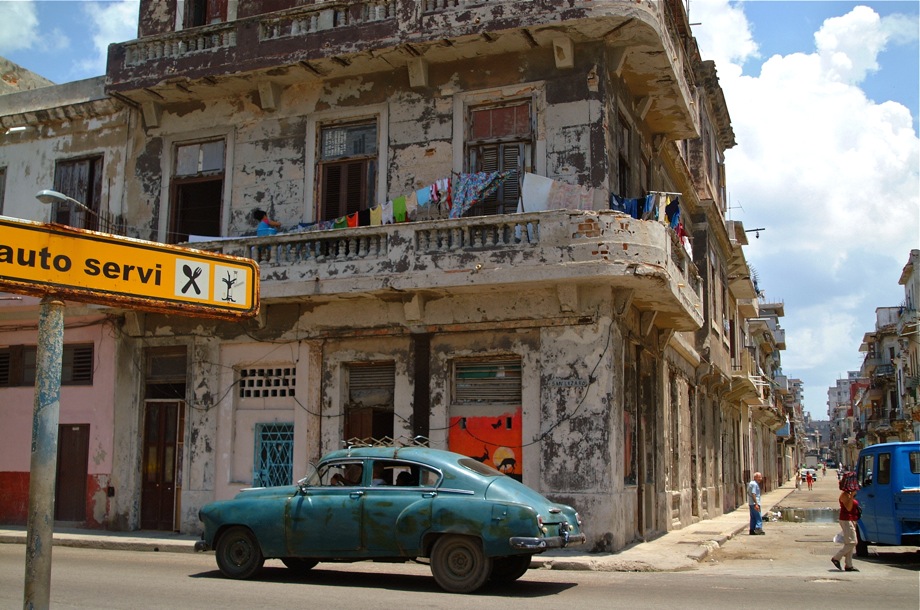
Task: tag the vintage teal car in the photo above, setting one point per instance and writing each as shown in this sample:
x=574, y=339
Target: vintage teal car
x=384, y=503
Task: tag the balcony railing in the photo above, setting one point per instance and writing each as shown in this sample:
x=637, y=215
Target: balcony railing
x=539, y=247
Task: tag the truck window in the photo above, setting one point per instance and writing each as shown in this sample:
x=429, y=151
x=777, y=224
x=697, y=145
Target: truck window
x=914, y=462
x=884, y=469
x=864, y=471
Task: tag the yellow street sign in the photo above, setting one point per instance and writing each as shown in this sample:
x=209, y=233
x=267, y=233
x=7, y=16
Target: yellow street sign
x=86, y=266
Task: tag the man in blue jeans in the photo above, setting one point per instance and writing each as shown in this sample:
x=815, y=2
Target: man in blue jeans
x=753, y=492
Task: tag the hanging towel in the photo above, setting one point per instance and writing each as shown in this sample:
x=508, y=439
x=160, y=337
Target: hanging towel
x=535, y=193
x=376, y=214
x=364, y=218
x=387, y=213
x=352, y=220
x=340, y=223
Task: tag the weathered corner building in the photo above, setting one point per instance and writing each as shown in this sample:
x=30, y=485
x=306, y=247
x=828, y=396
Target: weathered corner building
x=594, y=354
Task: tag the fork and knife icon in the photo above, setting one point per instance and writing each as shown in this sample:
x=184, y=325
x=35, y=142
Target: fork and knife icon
x=192, y=276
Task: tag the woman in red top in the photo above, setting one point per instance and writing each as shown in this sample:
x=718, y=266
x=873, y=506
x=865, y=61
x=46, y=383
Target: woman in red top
x=849, y=515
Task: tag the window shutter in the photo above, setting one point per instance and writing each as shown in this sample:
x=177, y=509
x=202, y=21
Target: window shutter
x=332, y=192
x=4, y=368
x=82, y=365
x=488, y=381
x=354, y=187
x=371, y=384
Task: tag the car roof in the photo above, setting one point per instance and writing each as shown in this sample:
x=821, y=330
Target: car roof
x=426, y=455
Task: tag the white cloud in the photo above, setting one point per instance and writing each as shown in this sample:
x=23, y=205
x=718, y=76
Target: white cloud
x=109, y=22
x=18, y=26
x=831, y=174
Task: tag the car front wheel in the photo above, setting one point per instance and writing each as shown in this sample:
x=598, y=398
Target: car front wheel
x=459, y=564
x=509, y=569
x=238, y=553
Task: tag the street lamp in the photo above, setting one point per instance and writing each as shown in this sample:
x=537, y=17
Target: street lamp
x=48, y=196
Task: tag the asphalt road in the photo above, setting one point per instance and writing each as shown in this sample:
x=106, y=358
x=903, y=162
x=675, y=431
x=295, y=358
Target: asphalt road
x=787, y=568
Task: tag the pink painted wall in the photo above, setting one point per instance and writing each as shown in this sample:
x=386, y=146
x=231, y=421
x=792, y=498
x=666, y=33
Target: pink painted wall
x=93, y=405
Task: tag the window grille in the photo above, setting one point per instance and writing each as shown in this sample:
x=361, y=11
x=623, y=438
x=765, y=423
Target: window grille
x=274, y=455
x=267, y=382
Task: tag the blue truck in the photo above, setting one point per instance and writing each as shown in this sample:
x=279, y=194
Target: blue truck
x=889, y=495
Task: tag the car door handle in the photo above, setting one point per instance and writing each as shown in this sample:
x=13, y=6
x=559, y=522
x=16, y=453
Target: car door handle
x=356, y=494
x=430, y=494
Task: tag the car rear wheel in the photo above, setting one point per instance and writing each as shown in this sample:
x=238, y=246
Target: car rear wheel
x=238, y=553
x=459, y=564
x=509, y=569
x=299, y=565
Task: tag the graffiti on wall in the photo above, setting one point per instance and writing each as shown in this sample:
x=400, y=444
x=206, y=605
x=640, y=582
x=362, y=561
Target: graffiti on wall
x=494, y=440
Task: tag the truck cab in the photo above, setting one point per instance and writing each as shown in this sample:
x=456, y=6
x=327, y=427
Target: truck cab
x=889, y=495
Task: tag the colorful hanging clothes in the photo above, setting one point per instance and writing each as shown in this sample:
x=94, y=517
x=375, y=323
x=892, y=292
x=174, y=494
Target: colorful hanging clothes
x=376, y=216
x=387, y=213
x=650, y=207
x=423, y=196
x=352, y=220
x=364, y=218
x=399, y=209
x=340, y=223
x=411, y=205
x=472, y=189
x=672, y=212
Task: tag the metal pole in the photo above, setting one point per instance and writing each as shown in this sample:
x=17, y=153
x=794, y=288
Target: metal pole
x=43, y=468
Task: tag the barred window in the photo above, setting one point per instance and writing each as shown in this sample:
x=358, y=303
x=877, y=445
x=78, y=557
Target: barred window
x=274, y=455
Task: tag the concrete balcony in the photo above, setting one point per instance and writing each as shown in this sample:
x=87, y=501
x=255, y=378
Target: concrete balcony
x=323, y=40
x=483, y=254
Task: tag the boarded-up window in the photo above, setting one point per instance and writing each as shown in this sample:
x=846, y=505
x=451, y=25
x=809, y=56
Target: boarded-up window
x=487, y=381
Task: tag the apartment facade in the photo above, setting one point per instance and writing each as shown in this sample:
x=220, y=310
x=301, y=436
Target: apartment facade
x=592, y=352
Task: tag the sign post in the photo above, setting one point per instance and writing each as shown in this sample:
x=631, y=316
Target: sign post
x=57, y=262
x=43, y=464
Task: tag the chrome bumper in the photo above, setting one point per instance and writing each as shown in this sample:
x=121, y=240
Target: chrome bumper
x=534, y=543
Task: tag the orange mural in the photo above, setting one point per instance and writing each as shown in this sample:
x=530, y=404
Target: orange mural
x=494, y=440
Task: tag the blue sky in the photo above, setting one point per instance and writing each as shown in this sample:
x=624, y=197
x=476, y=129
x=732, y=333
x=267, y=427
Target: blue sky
x=823, y=97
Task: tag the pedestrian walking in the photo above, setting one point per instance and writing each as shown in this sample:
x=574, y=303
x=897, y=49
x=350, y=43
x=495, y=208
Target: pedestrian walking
x=753, y=491
x=810, y=479
x=849, y=515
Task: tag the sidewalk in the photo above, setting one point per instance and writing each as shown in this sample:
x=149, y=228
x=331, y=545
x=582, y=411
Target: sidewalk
x=676, y=550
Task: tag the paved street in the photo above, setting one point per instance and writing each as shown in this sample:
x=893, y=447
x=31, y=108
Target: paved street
x=698, y=567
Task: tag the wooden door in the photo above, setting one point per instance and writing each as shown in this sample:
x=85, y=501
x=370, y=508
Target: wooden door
x=162, y=425
x=72, y=471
